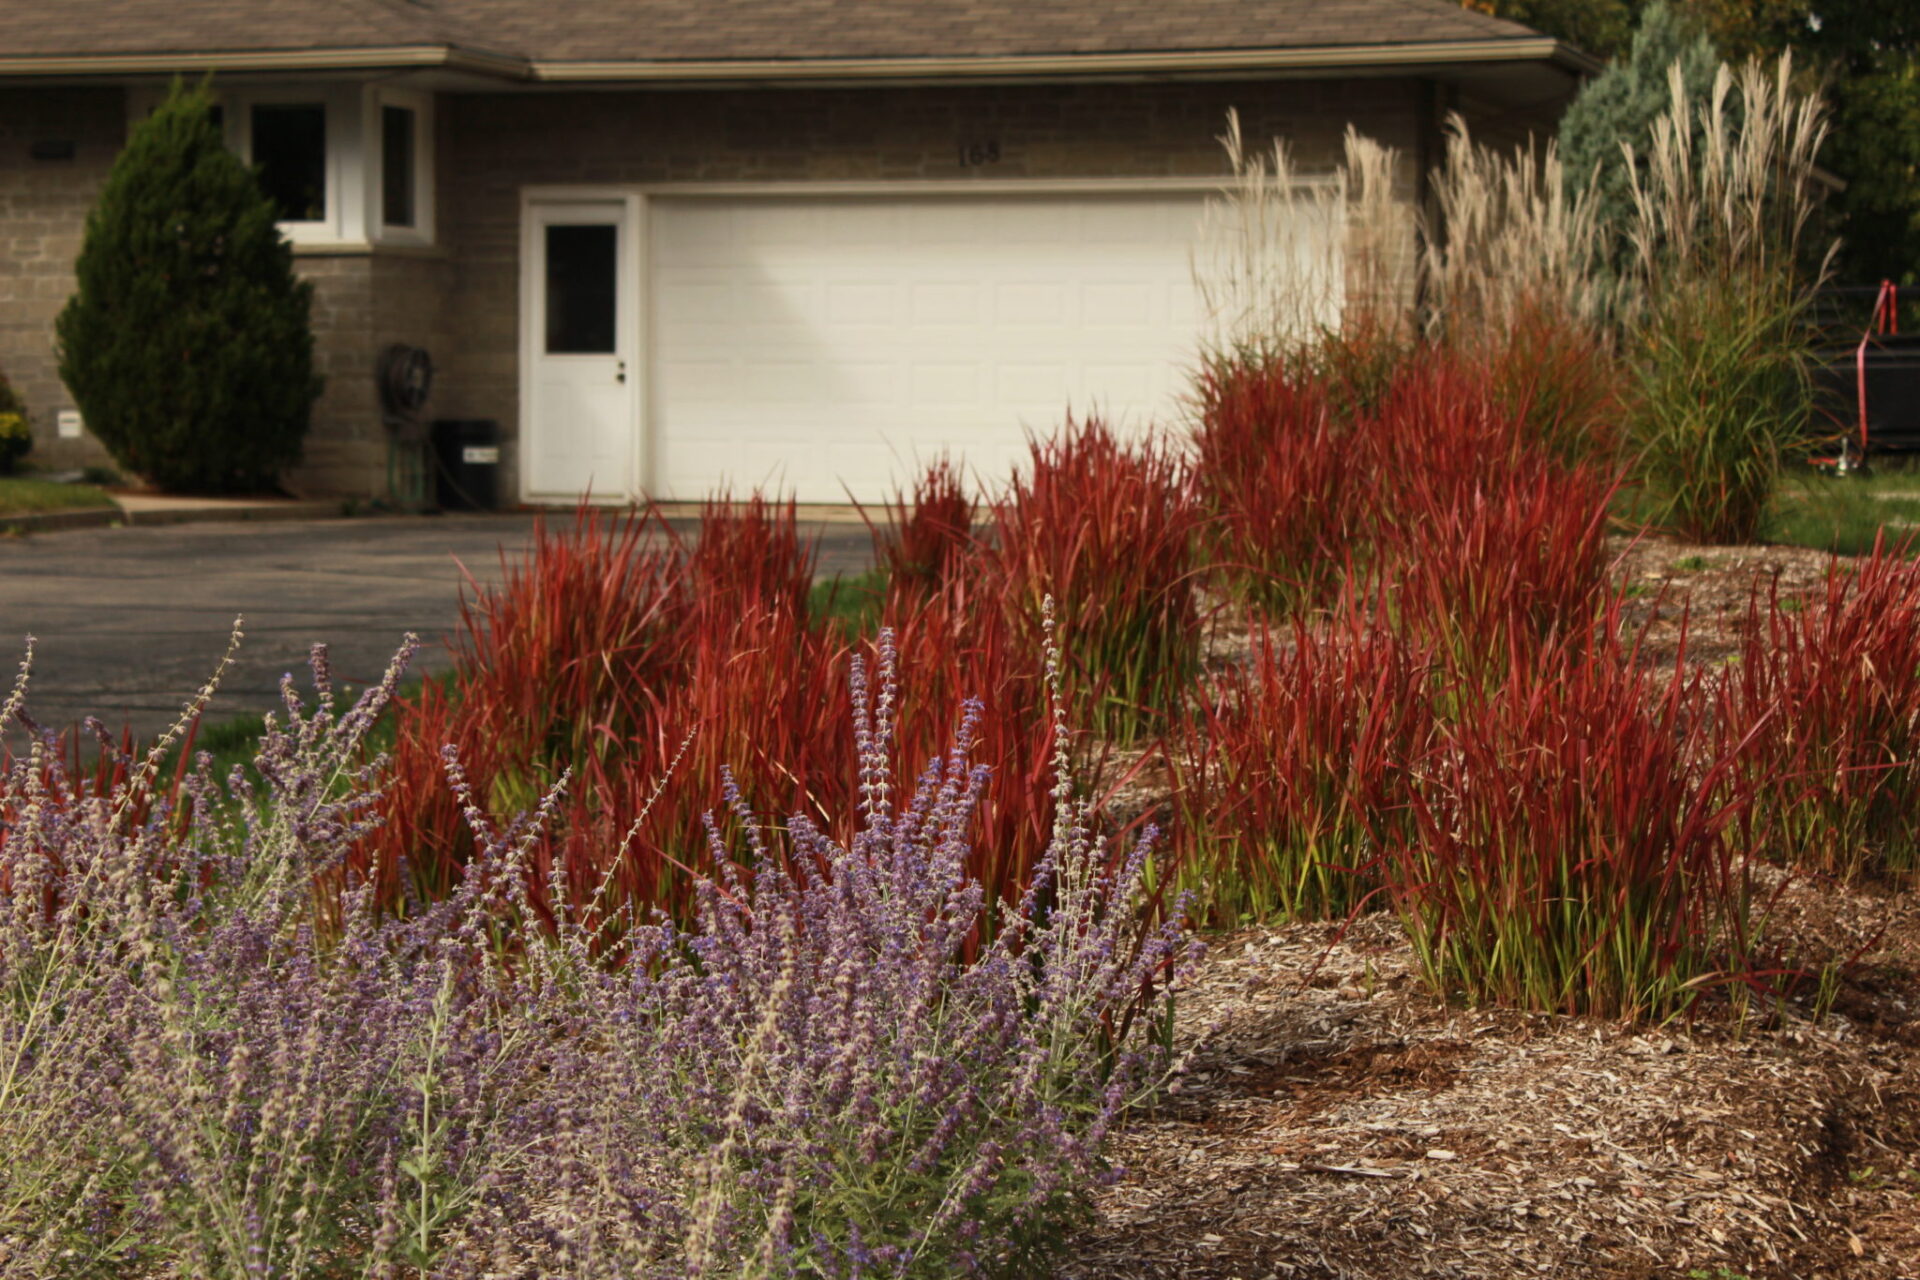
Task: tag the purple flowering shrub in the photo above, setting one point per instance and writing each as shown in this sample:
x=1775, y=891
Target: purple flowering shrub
x=211, y=1067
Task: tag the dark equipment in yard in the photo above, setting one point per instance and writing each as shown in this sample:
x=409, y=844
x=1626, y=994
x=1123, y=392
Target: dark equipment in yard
x=1867, y=384
x=466, y=455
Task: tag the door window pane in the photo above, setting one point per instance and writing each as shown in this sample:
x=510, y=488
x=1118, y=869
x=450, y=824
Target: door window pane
x=582, y=279
x=290, y=151
x=396, y=166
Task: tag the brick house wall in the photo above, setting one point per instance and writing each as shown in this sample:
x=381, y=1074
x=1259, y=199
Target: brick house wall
x=43, y=215
x=361, y=301
x=491, y=146
x=460, y=298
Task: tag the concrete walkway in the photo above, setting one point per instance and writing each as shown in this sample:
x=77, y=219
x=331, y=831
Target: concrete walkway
x=129, y=621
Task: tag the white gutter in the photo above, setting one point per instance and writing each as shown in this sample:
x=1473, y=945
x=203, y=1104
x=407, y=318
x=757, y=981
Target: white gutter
x=805, y=70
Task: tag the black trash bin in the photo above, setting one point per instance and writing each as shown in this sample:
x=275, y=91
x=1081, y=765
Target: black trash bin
x=466, y=458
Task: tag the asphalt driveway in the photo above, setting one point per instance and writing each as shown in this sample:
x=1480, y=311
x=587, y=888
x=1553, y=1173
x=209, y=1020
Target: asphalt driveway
x=129, y=622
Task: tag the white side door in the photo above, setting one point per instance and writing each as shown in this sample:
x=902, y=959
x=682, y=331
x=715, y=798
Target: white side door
x=580, y=368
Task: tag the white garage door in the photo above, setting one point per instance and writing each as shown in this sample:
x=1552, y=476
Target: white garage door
x=821, y=345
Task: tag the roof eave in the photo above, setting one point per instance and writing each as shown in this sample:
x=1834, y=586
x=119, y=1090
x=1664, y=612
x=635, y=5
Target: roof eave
x=391, y=57
x=1202, y=62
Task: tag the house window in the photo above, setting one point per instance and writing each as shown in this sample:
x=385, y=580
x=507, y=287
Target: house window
x=290, y=150
x=397, y=166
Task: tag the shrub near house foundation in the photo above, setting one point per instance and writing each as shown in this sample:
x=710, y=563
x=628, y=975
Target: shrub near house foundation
x=186, y=343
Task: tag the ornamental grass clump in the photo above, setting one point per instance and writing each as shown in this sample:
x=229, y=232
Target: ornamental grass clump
x=1110, y=530
x=928, y=533
x=1291, y=771
x=1280, y=477
x=565, y=658
x=1488, y=548
x=1720, y=348
x=1577, y=843
x=1836, y=680
x=208, y=1069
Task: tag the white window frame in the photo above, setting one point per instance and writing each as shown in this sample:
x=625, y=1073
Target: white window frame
x=354, y=216
x=346, y=154
x=421, y=104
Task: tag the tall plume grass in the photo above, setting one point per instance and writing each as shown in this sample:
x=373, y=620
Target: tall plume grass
x=1721, y=350
x=1508, y=242
x=1285, y=259
x=1512, y=279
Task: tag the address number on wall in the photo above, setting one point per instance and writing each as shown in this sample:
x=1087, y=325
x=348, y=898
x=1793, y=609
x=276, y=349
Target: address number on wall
x=975, y=154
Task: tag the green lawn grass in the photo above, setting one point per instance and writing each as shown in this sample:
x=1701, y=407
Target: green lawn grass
x=22, y=495
x=1843, y=514
x=849, y=604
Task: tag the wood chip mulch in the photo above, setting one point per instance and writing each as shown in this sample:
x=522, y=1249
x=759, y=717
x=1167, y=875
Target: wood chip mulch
x=1336, y=1119
x=1333, y=1119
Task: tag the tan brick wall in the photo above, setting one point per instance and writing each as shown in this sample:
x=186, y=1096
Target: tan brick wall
x=361, y=303
x=43, y=213
x=493, y=145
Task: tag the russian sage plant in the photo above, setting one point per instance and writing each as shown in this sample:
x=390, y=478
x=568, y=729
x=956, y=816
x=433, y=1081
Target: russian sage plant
x=221, y=1056
x=812, y=1081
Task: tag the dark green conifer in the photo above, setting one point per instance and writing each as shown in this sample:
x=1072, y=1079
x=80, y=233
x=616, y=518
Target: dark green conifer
x=187, y=344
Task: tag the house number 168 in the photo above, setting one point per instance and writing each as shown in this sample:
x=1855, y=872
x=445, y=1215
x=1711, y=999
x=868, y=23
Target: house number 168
x=975, y=154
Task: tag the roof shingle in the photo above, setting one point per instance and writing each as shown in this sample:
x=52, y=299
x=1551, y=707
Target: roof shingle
x=559, y=31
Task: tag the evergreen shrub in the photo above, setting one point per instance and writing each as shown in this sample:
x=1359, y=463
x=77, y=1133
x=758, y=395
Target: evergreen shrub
x=187, y=343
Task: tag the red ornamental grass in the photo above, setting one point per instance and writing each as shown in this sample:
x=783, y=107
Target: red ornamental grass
x=928, y=533
x=1109, y=531
x=764, y=700
x=956, y=645
x=578, y=638
x=566, y=655
x=608, y=647
x=1280, y=478
x=1289, y=772
x=1487, y=545
x=1577, y=846
x=1486, y=574
x=1555, y=375
x=749, y=555
x=1834, y=681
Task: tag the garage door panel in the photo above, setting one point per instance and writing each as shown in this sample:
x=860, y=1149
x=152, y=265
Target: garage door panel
x=850, y=340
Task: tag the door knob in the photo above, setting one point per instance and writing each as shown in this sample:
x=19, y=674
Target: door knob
x=620, y=371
